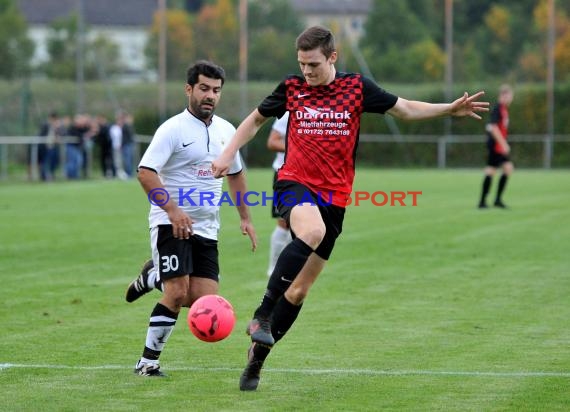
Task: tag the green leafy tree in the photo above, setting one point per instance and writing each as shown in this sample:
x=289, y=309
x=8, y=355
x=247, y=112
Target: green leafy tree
x=430, y=58
x=393, y=32
x=490, y=36
x=62, y=48
x=100, y=56
x=392, y=23
x=431, y=14
x=498, y=40
x=217, y=31
x=532, y=63
x=16, y=49
x=468, y=62
x=273, y=28
x=180, y=44
x=562, y=52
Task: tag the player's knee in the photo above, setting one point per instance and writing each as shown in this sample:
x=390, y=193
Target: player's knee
x=179, y=297
x=313, y=235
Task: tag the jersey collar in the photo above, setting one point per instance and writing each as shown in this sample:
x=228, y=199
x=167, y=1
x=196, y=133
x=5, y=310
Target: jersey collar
x=200, y=120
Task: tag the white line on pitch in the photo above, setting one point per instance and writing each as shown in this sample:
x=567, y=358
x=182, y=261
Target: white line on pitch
x=371, y=372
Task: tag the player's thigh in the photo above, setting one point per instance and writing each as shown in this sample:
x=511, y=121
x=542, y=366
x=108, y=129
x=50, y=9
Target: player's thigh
x=200, y=286
x=300, y=209
x=495, y=159
x=172, y=256
x=333, y=217
x=206, y=269
x=306, y=220
x=205, y=258
x=288, y=194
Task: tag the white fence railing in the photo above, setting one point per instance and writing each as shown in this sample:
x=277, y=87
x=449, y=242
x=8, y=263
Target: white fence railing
x=32, y=144
x=443, y=142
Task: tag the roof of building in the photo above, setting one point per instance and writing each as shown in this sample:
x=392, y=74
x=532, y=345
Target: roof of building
x=96, y=12
x=332, y=6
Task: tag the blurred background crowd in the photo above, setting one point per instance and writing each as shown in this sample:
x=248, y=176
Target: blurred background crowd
x=67, y=142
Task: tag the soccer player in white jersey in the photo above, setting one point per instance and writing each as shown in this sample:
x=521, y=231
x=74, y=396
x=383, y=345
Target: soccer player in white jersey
x=175, y=172
x=281, y=235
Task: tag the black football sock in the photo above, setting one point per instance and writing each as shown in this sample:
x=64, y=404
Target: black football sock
x=485, y=189
x=260, y=352
x=501, y=188
x=288, y=266
x=284, y=315
x=161, y=325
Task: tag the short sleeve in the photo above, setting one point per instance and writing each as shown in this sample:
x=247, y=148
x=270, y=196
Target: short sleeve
x=376, y=99
x=159, y=150
x=237, y=165
x=495, y=117
x=274, y=105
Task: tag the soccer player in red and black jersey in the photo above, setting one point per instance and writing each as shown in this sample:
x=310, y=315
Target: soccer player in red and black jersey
x=498, y=148
x=315, y=181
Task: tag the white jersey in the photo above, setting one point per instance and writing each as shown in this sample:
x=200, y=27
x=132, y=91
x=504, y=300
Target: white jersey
x=181, y=152
x=116, y=133
x=280, y=126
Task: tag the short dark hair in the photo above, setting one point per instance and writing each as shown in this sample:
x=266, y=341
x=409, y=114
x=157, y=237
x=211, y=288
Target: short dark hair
x=316, y=37
x=204, y=68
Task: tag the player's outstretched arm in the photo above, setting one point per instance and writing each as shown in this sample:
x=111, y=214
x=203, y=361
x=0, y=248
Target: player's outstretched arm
x=416, y=110
x=244, y=133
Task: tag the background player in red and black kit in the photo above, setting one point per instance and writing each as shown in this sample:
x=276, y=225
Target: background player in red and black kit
x=324, y=120
x=498, y=148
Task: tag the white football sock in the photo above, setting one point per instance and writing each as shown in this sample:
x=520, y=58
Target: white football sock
x=279, y=239
x=154, y=279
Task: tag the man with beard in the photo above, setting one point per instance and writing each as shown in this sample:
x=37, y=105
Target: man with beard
x=176, y=174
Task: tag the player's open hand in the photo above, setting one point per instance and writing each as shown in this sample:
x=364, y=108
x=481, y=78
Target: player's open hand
x=469, y=106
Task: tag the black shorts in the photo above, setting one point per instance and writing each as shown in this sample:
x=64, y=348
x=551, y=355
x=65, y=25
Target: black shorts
x=274, y=212
x=496, y=159
x=289, y=194
x=197, y=256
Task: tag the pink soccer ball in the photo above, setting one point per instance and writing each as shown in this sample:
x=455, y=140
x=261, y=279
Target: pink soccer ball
x=211, y=318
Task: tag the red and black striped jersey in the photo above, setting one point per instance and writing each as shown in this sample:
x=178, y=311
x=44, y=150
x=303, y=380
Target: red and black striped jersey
x=500, y=117
x=323, y=129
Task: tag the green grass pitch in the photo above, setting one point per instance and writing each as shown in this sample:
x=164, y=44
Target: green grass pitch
x=435, y=307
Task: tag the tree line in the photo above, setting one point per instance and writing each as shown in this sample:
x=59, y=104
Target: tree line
x=403, y=41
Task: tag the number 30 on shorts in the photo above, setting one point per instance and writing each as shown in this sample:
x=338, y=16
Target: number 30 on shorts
x=169, y=263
